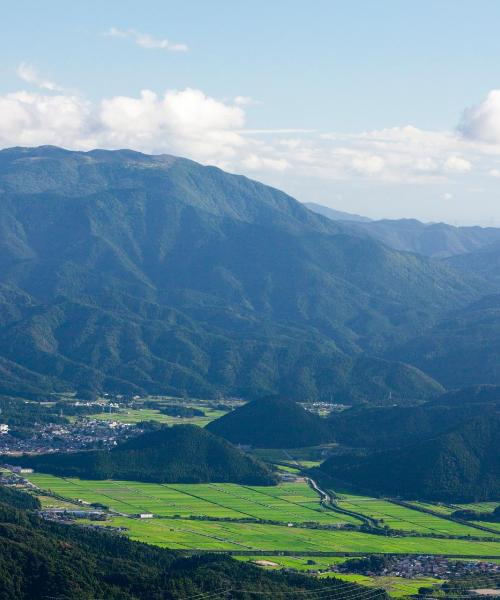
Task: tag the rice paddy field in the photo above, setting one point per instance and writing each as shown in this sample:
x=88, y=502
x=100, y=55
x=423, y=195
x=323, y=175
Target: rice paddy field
x=403, y=518
x=220, y=535
x=198, y=517
x=133, y=416
x=289, y=502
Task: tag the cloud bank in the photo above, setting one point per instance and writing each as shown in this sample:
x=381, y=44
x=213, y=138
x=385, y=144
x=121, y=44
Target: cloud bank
x=190, y=123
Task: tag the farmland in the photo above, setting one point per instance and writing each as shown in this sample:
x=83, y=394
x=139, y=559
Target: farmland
x=136, y=415
x=235, y=518
x=402, y=518
x=208, y=535
x=294, y=502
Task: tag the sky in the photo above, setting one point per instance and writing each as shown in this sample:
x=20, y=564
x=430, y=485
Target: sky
x=388, y=109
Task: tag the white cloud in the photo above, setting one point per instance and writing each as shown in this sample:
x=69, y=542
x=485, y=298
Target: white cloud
x=28, y=73
x=246, y=101
x=494, y=173
x=457, y=164
x=482, y=122
x=145, y=40
x=447, y=196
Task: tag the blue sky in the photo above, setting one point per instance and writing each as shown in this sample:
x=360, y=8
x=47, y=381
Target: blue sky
x=386, y=108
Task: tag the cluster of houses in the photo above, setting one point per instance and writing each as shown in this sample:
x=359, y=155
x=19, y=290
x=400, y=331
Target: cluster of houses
x=84, y=434
x=412, y=567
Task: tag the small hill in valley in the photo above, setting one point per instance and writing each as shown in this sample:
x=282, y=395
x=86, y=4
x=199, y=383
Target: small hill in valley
x=272, y=422
x=462, y=465
x=179, y=454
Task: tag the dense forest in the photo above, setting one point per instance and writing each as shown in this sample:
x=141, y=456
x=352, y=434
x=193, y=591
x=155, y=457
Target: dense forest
x=154, y=274
x=177, y=454
x=462, y=465
x=272, y=422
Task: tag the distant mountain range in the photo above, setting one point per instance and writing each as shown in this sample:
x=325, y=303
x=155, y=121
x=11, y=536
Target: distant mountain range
x=438, y=240
x=178, y=454
x=153, y=274
x=335, y=215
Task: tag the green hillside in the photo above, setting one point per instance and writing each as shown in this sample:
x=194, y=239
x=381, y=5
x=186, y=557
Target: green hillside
x=178, y=454
x=272, y=422
x=392, y=426
x=127, y=272
x=462, y=465
x=461, y=350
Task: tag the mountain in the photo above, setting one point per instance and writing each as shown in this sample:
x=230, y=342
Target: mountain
x=462, y=349
x=394, y=426
x=42, y=559
x=484, y=261
x=178, y=454
x=335, y=215
x=462, y=465
x=272, y=422
x=438, y=240
x=153, y=274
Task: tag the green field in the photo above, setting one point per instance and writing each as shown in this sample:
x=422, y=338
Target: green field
x=192, y=516
x=403, y=518
x=136, y=415
x=182, y=534
x=289, y=502
x=397, y=587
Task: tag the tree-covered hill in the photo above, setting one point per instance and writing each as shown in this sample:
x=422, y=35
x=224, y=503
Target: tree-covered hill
x=41, y=560
x=121, y=271
x=178, y=454
x=460, y=465
x=394, y=426
x=272, y=422
x=461, y=350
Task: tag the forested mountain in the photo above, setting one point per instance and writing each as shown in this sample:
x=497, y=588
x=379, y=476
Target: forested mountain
x=397, y=426
x=438, y=240
x=121, y=271
x=460, y=465
x=42, y=559
x=462, y=349
x=272, y=422
x=178, y=454
x=484, y=261
x=335, y=215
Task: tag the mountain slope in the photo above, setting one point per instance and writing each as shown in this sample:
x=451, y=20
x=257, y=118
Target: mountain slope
x=335, y=215
x=461, y=350
x=438, y=240
x=484, y=261
x=122, y=271
x=461, y=465
x=272, y=422
x=178, y=454
x=393, y=426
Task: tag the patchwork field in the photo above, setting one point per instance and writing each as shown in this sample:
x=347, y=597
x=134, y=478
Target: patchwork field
x=199, y=517
x=191, y=534
x=133, y=416
x=289, y=502
x=403, y=518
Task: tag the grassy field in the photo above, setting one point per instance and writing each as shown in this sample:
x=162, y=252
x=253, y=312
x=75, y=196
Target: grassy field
x=403, y=518
x=133, y=416
x=397, y=587
x=182, y=534
x=289, y=502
